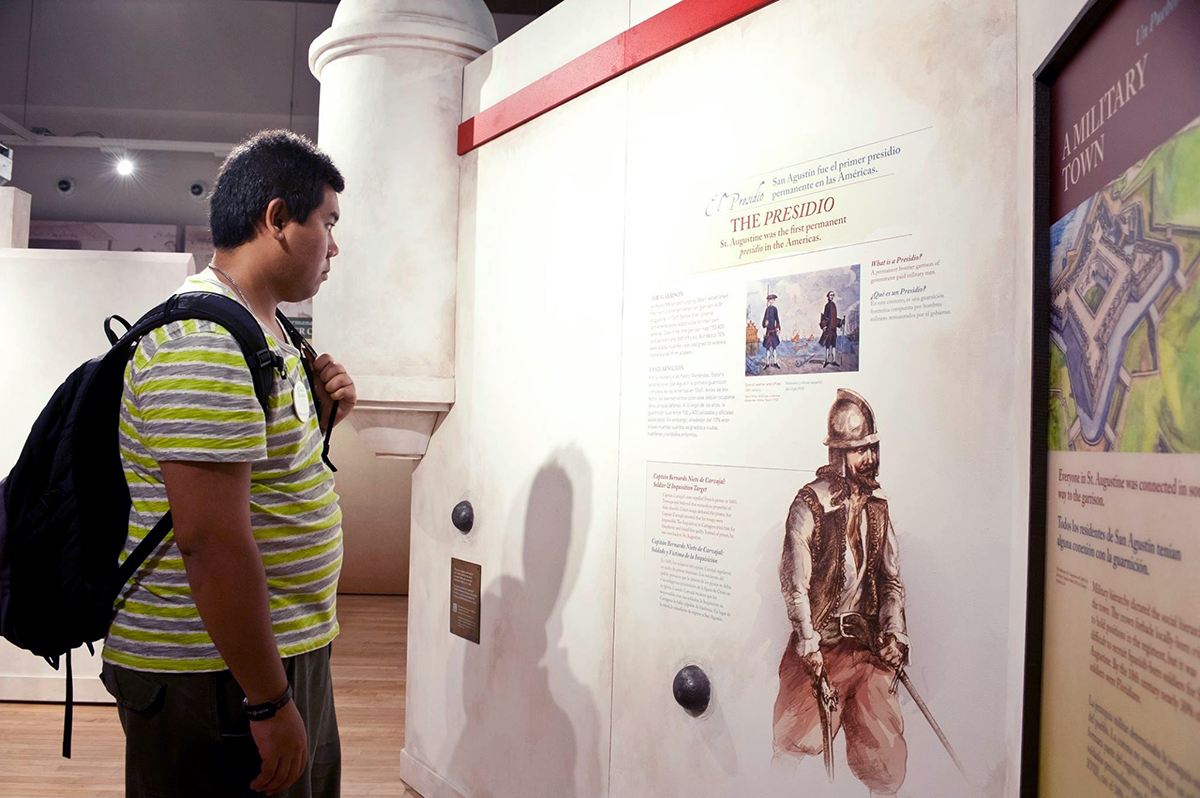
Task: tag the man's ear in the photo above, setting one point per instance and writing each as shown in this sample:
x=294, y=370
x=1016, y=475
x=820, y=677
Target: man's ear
x=276, y=217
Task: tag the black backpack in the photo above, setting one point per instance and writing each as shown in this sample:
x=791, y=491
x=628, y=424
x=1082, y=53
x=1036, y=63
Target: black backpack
x=64, y=508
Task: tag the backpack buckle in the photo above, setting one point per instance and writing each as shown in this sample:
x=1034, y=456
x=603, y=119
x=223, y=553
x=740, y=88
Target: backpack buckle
x=268, y=359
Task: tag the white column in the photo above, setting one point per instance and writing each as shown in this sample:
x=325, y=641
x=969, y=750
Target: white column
x=391, y=101
x=14, y=218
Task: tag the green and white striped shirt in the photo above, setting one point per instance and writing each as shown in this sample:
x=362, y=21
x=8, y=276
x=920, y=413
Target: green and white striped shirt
x=189, y=397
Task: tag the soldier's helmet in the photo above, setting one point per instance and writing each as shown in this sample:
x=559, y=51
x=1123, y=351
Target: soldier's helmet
x=851, y=422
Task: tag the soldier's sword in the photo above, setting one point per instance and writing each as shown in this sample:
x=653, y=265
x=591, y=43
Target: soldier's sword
x=827, y=744
x=912, y=691
x=826, y=704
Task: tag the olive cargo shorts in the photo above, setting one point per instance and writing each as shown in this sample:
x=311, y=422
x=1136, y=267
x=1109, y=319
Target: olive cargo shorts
x=186, y=734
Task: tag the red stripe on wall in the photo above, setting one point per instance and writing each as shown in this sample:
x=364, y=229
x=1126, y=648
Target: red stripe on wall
x=683, y=22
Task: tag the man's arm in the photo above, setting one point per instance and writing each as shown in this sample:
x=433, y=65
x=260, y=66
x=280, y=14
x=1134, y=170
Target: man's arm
x=892, y=628
x=210, y=508
x=795, y=574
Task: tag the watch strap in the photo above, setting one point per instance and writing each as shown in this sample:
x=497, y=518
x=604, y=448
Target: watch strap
x=267, y=710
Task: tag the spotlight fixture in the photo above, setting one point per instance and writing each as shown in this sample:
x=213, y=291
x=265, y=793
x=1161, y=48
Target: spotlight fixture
x=198, y=190
x=125, y=167
x=65, y=186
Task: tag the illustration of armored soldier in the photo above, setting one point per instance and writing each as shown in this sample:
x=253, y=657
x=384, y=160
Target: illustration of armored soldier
x=841, y=586
x=771, y=333
x=829, y=327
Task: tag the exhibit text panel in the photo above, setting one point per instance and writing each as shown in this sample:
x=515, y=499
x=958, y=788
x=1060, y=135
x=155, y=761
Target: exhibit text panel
x=1121, y=690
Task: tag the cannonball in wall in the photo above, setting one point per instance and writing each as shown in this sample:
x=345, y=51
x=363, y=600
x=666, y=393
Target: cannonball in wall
x=692, y=689
x=463, y=517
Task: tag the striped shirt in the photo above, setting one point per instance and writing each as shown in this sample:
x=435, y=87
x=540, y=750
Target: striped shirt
x=189, y=396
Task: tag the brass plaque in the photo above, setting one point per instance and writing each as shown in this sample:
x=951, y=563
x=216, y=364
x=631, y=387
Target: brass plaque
x=465, y=581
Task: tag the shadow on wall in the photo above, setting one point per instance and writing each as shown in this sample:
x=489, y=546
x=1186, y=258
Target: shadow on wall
x=531, y=726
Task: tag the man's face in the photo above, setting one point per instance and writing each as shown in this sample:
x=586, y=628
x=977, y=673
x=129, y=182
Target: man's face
x=311, y=246
x=829, y=296
x=862, y=464
x=770, y=302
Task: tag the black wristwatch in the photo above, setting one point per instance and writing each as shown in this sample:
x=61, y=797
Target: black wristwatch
x=267, y=711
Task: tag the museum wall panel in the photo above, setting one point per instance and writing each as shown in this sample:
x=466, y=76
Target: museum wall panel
x=532, y=443
x=1116, y=472
x=884, y=156
x=882, y=141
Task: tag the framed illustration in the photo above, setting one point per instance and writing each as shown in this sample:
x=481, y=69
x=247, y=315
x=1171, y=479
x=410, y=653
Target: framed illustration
x=1113, y=627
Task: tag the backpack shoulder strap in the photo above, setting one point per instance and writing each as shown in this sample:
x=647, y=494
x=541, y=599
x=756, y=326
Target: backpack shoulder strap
x=308, y=359
x=231, y=315
x=308, y=354
x=263, y=363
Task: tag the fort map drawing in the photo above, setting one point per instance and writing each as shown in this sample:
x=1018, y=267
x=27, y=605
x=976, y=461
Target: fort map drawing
x=1125, y=309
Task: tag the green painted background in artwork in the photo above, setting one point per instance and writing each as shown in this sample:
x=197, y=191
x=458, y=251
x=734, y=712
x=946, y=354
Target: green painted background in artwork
x=1137, y=352
x=1177, y=182
x=1169, y=402
x=1060, y=381
x=1179, y=340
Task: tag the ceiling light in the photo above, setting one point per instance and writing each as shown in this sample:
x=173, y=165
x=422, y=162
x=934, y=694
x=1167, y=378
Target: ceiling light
x=125, y=167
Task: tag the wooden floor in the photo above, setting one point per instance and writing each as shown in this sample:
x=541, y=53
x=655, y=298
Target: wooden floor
x=369, y=683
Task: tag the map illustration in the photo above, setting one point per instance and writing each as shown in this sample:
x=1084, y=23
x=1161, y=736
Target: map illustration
x=1125, y=310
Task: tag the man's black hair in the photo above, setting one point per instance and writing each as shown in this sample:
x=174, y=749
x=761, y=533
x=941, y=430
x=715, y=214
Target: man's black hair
x=270, y=164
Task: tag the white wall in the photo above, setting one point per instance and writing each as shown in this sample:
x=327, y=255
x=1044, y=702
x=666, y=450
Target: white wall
x=796, y=83
x=531, y=442
x=52, y=310
x=535, y=394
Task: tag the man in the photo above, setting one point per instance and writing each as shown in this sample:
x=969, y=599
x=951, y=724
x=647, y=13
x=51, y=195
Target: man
x=771, y=333
x=233, y=615
x=841, y=586
x=829, y=327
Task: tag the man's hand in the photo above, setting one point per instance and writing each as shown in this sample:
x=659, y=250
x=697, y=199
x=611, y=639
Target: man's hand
x=333, y=385
x=823, y=690
x=893, y=652
x=283, y=745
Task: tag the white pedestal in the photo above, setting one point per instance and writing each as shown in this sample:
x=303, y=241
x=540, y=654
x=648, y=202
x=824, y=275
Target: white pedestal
x=14, y=218
x=391, y=100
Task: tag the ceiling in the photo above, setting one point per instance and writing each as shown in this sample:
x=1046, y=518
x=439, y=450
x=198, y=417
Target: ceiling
x=181, y=75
